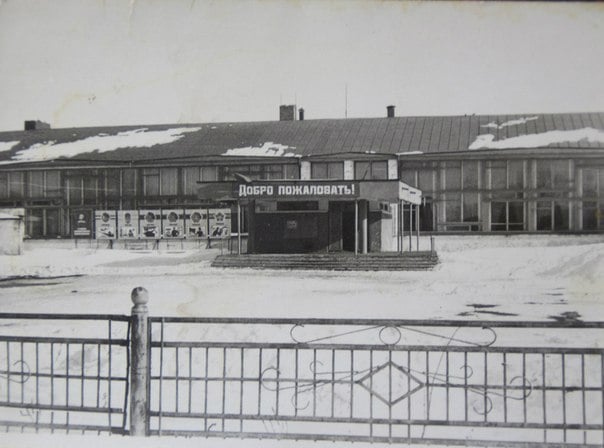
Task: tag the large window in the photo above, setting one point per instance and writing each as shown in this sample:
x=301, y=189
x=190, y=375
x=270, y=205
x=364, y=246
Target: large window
x=507, y=215
x=553, y=189
x=327, y=170
x=260, y=172
x=160, y=181
x=593, y=198
x=461, y=182
x=507, y=184
x=15, y=184
x=371, y=170
x=422, y=175
x=43, y=184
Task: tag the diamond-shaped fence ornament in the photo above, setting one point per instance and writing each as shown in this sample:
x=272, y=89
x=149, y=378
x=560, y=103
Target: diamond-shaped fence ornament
x=390, y=383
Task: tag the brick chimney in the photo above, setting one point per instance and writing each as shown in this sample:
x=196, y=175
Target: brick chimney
x=32, y=125
x=301, y=114
x=390, y=111
x=287, y=113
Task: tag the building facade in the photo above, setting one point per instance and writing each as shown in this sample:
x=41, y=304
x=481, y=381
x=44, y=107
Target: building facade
x=491, y=174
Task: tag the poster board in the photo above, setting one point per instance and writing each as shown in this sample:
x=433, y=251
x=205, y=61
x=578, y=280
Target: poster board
x=149, y=224
x=196, y=222
x=219, y=222
x=173, y=224
x=105, y=227
x=81, y=223
x=127, y=221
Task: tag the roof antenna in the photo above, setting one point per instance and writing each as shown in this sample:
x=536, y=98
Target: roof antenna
x=346, y=100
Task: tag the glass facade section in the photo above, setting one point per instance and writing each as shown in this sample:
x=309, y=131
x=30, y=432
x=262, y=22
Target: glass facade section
x=151, y=182
x=3, y=185
x=327, y=170
x=169, y=181
x=35, y=183
x=15, y=186
x=371, y=170
x=452, y=176
x=53, y=184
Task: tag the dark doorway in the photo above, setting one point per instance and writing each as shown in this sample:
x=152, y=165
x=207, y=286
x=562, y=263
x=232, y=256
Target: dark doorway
x=348, y=231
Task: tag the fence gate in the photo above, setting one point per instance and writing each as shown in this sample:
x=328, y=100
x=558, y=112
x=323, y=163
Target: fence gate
x=448, y=382
x=65, y=373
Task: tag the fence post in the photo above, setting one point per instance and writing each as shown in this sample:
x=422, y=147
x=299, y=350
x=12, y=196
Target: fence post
x=139, y=362
x=432, y=248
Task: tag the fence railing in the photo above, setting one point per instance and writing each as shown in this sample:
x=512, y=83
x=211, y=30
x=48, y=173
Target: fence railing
x=64, y=372
x=495, y=383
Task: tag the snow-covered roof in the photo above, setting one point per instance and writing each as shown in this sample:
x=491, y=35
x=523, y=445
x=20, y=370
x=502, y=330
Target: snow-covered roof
x=286, y=139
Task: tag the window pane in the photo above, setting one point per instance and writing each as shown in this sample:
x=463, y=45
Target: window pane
x=318, y=170
x=453, y=207
x=52, y=222
x=516, y=174
x=590, y=216
x=544, y=216
x=425, y=180
x=16, y=184
x=274, y=171
x=362, y=170
x=560, y=174
x=128, y=183
x=112, y=184
x=498, y=213
x=408, y=176
x=36, y=184
x=190, y=178
x=151, y=182
x=426, y=217
x=75, y=190
x=169, y=181
x=335, y=170
x=3, y=185
x=561, y=215
x=516, y=213
x=452, y=177
x=90, y=185
x=544, y=174
x=498, y=176
x=209, y=174
x=292, y=172
x=35, y=223
x=470, y=207
x=470, y=175
x=590, y=183
x=53, y=184
x=379, y=170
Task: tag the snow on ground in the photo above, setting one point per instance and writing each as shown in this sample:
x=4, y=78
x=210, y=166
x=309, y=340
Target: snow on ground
x=137, y=138
x=523, y=277
x=479, y=278
x=487, y=141
x=268, y=149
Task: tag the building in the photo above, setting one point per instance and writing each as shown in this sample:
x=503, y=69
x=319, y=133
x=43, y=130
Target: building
x=490, y=174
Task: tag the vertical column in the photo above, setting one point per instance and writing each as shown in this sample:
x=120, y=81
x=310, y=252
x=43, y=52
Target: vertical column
x=364, y=227
x=305, y=170
x=356, y=227
x=139, y=363
x=238, y=228
x=417, y=227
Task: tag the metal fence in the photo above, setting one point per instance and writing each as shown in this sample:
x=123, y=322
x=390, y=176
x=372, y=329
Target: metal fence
x=495, y=383
x=62, y=372
x=449, y=382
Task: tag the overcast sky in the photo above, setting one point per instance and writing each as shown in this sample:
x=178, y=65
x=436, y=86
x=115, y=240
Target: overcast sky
x=110, y=62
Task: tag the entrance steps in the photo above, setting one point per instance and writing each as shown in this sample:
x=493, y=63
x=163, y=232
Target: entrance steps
x=408, y=261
